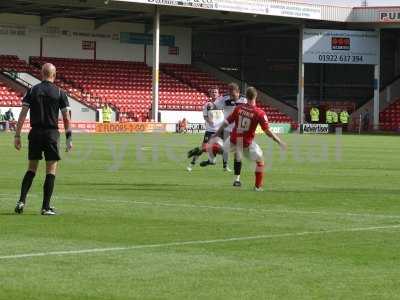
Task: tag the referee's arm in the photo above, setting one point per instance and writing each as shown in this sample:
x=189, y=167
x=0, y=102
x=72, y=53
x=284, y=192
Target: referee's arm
x=20, y=123
x=65, y=110
x=67, y=127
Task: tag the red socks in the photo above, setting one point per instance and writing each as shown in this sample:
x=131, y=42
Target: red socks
x=259, y=174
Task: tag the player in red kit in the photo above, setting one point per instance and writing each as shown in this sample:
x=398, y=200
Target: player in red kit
x=246, y=118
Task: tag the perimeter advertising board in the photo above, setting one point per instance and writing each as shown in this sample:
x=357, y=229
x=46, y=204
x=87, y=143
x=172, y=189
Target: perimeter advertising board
x=321, y=46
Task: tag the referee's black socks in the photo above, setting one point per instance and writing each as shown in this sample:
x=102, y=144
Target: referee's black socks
x=48, y=188
x=26, y=185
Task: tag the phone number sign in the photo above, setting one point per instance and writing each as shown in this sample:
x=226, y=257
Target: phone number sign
x=340, y=47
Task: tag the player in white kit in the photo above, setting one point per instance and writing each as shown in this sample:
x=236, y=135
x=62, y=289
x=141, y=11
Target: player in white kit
x=213, y=118
x=228, y=104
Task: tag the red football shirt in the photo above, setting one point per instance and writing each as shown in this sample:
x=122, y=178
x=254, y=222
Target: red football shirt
x=246, y=118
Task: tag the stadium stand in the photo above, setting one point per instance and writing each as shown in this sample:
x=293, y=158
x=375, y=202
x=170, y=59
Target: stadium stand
x=349, y=106
x=8, y=96
x=190, y=75
x=126, y=85
x=390, y=117
x=13, y=63
x=203, y=82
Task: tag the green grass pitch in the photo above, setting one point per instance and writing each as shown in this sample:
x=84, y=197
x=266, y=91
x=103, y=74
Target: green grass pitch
x=134, y=224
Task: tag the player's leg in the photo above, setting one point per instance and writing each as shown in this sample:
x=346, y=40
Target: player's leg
x=195, y=153
x=213, y=147
x=26, y=185
x=256, y=155
x=52, y=156
x=225, y=156
x=35, y=143
x=206, y=141
x=48, y=187
x=237, y=168
x=208, y=147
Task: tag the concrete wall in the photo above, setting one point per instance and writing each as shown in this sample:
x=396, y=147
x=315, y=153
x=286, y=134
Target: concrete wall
x=63, y=37
x=170, y=116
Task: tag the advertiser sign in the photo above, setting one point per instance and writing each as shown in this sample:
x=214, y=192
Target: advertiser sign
x=389, y=16
x=129, y=127
x=80, y=127
x=144, y=38
x=314, y=128
x=273, y=8
x=321, y=46
x=278, y=128
x=293, y=10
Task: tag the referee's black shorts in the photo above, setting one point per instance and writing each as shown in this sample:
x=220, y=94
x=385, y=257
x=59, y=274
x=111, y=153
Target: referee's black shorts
x=44, y=141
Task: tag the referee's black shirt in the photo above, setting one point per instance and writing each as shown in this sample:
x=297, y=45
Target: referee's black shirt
x=45, y=100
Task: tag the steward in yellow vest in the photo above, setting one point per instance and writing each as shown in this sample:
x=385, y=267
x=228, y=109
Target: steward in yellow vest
x=335, y=118
x=329, y=117
x=107, y=113
x=344, y=117
x=314, y=113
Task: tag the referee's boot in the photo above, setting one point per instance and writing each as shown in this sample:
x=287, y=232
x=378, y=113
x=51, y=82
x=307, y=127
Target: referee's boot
x=237, y=183
x=48, y=212
x=19, y=207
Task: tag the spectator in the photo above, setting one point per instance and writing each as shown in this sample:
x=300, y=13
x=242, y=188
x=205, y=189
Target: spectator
x=9, y=118
x=184, y=125
x=107, y=113
x=314, y=114
x=366, y=120
x=2, y=121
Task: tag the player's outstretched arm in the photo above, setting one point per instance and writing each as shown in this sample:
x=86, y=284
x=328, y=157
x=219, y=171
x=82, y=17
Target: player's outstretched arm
x=276, y=139
x=20, y=123
x=68, y=131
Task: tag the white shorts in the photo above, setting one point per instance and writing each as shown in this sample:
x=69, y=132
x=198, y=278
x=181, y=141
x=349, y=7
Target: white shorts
x=253, y=152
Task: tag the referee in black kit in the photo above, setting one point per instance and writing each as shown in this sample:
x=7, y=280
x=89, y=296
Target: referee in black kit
x=44, y=100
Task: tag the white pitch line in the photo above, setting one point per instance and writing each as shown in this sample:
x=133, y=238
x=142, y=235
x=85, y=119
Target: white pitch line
x=227, y=208
x=243, y=209
x=200, y=242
